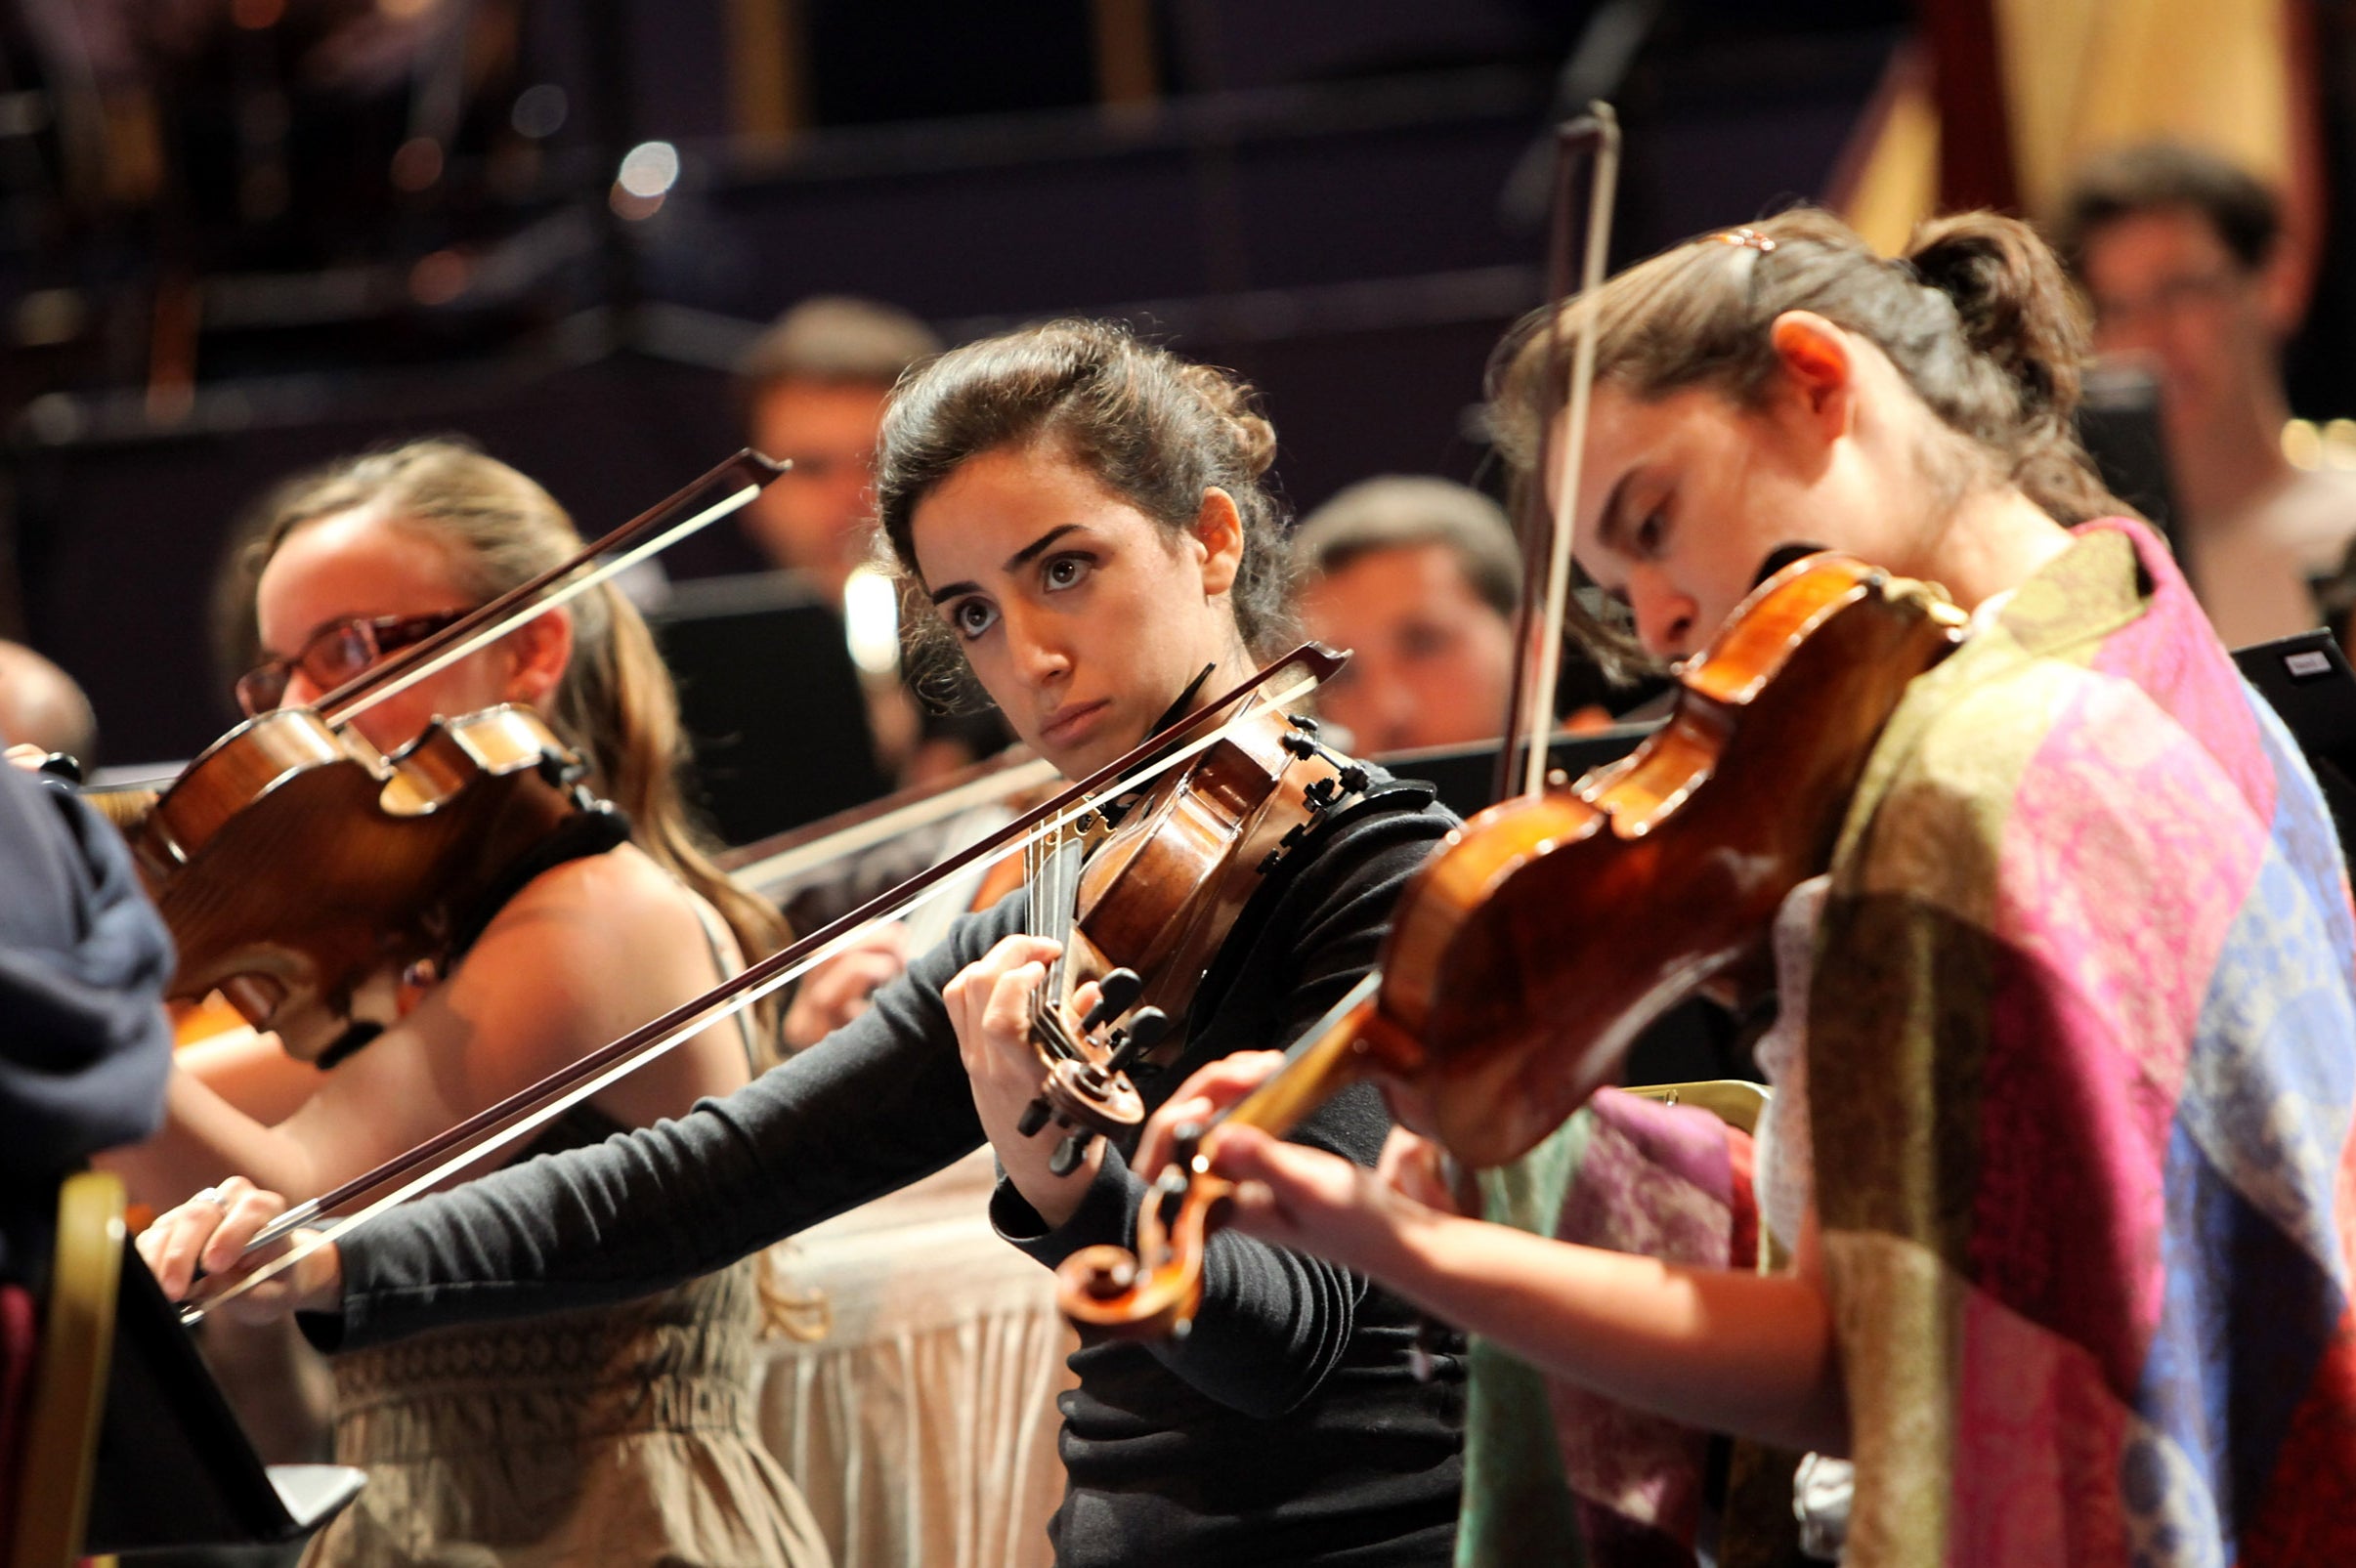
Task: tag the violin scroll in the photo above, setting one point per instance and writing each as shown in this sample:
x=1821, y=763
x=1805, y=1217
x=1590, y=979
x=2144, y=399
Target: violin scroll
x=1154, y=1290
x=1156, y=897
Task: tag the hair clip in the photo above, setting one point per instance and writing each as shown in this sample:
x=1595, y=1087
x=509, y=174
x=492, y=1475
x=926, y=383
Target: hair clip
x=1748, y=238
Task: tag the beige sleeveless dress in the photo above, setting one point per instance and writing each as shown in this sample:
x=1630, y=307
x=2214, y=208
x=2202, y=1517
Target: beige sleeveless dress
x=621, y=1435
x=613, y=1435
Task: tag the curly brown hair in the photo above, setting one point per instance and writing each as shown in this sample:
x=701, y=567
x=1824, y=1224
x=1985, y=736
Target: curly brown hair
x=1151, y=427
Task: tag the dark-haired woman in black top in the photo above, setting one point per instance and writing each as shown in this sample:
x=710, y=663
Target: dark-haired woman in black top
x=1086, y=519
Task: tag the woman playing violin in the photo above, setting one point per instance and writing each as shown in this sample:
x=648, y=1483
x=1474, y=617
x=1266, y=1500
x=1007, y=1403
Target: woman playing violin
x=624, y=1430
x=1086, y=521
x=2067, y=1042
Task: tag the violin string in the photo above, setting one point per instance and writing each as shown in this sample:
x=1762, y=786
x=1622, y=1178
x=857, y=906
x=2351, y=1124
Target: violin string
x=1053, y=889
x=1050, y=824
x=579, y=585
x=1540, y=724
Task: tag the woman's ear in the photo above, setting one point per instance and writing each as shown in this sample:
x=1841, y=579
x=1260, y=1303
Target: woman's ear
x=1819, y=368
x=540, y=650
x=1219, y=530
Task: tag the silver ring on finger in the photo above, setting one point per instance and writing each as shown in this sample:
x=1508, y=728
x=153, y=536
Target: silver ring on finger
x=212, y=1195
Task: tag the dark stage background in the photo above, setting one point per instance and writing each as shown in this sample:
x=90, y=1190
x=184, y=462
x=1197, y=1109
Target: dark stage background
x=323, y=242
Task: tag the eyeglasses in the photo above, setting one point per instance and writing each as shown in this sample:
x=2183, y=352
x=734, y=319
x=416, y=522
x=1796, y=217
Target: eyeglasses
x=336, y=653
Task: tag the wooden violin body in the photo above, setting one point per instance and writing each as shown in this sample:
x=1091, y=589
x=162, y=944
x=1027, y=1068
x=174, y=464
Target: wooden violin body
x=1554, y=930
x=1157, y=897
x=294, y=863
x=1549, y=931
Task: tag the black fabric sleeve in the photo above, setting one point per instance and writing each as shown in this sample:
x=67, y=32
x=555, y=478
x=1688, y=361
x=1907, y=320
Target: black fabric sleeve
x=875, y=1105
x=1272, y=1323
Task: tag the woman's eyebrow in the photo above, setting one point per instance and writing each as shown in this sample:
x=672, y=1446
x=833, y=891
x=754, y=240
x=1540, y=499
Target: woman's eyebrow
x=1029, y=552
x=1014, y=563
x=1611, y=523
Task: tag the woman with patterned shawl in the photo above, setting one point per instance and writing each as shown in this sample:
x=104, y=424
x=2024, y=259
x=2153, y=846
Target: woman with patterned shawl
x=2067, y=1048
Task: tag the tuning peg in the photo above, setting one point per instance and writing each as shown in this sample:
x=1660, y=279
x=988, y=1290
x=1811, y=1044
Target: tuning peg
x=1034, y=1116
x=1069, y=1154
x=1116, y=993
x=1144, y=1033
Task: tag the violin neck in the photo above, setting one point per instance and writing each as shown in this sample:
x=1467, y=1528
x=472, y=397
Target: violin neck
x=1321, y=1067
x=1053, y=874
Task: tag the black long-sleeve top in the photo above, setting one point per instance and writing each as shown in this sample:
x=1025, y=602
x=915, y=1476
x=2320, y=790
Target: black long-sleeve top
x=1286, y=1427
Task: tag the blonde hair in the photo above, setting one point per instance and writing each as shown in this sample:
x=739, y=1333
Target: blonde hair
x=1977, y=318
x=614, y=704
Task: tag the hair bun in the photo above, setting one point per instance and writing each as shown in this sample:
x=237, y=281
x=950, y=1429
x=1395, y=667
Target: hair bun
x=2013, y=302
x=1237, y=405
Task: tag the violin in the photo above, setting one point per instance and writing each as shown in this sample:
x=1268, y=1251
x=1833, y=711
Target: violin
x=356, y=866
x=1550, y=930
x=1144, y=907
x=299, y=869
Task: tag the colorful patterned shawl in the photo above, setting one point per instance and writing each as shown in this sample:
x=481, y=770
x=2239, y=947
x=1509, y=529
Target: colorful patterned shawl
x=2082, y=1058
x=1549, y=1466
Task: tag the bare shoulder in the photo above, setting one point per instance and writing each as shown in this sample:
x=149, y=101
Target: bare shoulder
x=590, y=919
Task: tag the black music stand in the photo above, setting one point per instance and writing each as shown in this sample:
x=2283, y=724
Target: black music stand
x=1466, y=774
x=2307, y=680
x=771, y=701
x=174, y=1468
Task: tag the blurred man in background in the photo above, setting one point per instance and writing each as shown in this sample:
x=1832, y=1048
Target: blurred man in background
x=42, y=706
x=814, y=387
x=1419, y=578
x=2181, y=257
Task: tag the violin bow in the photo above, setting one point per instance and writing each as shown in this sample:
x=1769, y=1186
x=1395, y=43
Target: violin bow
x=429, y=1162
x=1548, y=519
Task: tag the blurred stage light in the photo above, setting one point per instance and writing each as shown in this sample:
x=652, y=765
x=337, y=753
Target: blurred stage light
x=441, y=278
x=870, y=620
x=632, y=209
x=417, y=165
x=2302, y=444
x=648, y=170
x=539, y=111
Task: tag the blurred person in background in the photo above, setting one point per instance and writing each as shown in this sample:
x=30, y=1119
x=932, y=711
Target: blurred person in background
x=814, y=387
x=622, y=1432
x=41, y=707
x=2180, y=254
x=1419, y=578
